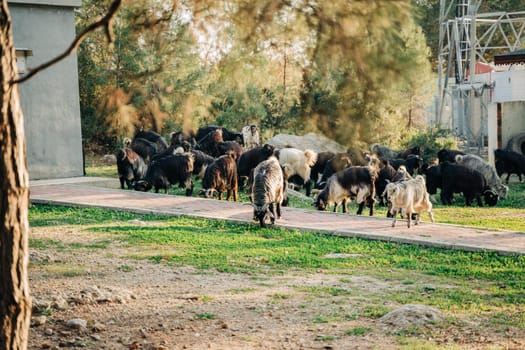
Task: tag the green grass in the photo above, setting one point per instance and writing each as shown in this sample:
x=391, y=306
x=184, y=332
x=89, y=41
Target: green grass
x=48, y=215
x=243, y=247
x=477, y=282
x=331, y=291
x=101, y=170
x=374, y=311
x=278, y=296
x=61, y=246
x=508, y=214
x=95, y=167
x=322, y=319
x=325, y=338
x=205, y=316
x=358, y=331
x=126, y=268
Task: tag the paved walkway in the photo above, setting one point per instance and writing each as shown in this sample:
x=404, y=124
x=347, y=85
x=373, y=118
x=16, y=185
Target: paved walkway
x=97, y=192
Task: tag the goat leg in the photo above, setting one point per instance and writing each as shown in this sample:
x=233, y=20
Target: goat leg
x=394, y=215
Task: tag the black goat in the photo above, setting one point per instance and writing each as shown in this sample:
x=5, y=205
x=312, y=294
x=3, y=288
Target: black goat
x=226, y=134
x=509, y=162
x=152, y=136
x=250, y=159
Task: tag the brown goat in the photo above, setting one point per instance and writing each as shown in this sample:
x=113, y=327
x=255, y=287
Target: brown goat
x=221, y=176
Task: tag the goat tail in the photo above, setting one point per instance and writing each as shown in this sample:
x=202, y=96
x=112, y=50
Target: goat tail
x=316, y=191
x=311, y=157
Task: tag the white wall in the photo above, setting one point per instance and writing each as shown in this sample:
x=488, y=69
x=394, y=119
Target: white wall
x=509, y=86
x=512, y=120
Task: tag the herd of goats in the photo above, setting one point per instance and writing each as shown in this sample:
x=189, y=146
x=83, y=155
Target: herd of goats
x=227, y=162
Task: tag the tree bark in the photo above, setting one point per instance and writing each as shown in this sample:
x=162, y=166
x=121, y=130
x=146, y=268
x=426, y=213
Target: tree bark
x=15, y=301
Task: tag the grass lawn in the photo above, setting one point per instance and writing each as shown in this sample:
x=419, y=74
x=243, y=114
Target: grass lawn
x=487, y=284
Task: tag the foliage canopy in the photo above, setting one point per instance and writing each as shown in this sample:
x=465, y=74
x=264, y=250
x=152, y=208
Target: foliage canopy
x=350, y=70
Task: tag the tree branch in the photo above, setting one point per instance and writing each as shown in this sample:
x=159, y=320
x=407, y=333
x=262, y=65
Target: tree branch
x=105, y=22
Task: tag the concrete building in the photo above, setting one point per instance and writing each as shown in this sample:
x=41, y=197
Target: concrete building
x=482, y=102
x=42, y=30
x=489, y=111
x=506, y=113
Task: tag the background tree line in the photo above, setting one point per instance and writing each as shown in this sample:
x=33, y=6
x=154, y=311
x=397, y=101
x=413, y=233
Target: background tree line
x=351, y=70
x=358, y=72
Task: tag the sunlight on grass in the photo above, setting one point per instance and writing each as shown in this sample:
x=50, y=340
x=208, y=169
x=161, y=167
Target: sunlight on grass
x=95, y=166
x=38, y=243
x=102, y=171
x=481, y=283
x=493, y=218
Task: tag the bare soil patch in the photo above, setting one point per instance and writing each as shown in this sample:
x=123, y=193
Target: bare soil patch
x=103, y=299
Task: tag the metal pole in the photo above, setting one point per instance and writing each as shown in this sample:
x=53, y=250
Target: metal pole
x=441, y=86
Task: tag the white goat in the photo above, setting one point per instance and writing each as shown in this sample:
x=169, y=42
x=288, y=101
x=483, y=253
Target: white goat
x=298, y=162
x=250, y=136
x=409, y=197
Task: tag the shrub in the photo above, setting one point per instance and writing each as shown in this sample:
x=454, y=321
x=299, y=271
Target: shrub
x=431, y=140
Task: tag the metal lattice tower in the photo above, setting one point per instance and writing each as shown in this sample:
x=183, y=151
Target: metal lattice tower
x=467, y=37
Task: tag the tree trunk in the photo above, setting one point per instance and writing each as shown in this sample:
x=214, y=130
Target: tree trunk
x=15, y=302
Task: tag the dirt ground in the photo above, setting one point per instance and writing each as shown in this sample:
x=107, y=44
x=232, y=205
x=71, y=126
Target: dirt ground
x=103, y=299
